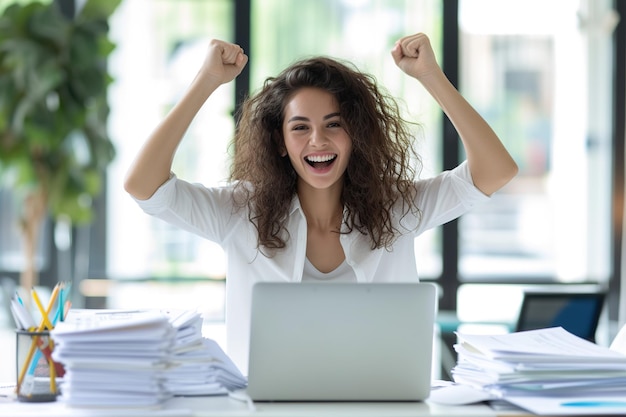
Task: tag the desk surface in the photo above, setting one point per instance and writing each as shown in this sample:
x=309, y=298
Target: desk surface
x=225, y=406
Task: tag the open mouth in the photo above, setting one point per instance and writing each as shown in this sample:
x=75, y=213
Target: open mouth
x=320, y=161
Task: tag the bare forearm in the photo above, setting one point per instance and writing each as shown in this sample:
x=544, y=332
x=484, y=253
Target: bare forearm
x=152, y=166
x=490, y=163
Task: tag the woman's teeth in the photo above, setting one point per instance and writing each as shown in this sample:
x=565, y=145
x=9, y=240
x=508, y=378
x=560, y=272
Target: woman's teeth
x=320, y=161
x=320, y=158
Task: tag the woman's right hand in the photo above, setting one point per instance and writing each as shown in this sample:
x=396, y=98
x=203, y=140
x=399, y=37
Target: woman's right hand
x=224, y=61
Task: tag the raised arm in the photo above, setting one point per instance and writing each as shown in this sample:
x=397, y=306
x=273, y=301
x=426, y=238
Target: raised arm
x=151, y=167
x=489, y=162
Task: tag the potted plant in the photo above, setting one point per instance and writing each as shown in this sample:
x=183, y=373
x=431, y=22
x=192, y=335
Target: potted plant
x=54, y=146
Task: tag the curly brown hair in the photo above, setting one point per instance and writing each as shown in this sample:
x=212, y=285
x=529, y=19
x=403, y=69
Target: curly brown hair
x=380, y=174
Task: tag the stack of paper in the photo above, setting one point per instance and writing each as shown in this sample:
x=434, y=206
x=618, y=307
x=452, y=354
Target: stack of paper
x=197, y=365
x=113, y=358
x=542, y=366
x=139, y=358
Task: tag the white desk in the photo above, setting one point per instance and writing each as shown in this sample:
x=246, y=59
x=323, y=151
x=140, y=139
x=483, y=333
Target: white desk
x=225, y=406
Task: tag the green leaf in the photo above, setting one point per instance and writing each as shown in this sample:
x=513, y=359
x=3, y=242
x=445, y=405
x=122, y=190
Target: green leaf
x=49, y=26
x=97, y=9
x=105, y=46
x=92, y=181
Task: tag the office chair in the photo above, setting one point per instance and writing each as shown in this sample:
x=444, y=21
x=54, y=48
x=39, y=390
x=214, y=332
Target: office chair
x=577, y=312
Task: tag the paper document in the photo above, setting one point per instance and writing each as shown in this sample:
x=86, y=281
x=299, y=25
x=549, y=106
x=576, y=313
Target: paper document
x=546, y=371
x=140, y=358
x=572, y=406
x=549, y=345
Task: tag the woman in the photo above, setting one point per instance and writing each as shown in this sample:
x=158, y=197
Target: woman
x=323, y=187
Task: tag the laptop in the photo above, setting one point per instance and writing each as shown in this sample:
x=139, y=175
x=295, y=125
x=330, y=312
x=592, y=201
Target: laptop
x=577, y=312
x=341, y=342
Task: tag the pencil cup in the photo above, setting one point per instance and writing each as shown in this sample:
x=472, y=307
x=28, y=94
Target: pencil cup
x=37, y=374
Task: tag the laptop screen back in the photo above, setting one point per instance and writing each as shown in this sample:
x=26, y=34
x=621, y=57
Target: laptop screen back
x=578, y=313
x=341, y=342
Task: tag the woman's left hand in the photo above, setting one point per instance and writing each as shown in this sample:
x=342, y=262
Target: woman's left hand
x=414, y=55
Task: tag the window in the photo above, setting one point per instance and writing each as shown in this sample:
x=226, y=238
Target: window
x=540, y=74
x=532, y=83
x=160, y=46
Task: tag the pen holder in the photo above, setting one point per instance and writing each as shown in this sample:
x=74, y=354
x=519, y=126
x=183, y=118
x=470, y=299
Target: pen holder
x=37, y=374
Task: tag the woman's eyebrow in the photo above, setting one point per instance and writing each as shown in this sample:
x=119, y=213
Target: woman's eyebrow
x=298, y=118
x=306, y=119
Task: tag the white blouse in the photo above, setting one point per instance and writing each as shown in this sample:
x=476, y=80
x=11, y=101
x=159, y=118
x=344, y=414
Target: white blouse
x=209, y=212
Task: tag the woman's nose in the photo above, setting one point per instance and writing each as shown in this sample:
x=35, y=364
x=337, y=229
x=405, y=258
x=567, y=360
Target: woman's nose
x=317, y=137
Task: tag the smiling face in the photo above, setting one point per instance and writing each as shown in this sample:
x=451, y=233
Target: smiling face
x=315, y=140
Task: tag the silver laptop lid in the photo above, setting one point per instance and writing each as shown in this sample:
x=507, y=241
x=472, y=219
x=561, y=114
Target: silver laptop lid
x=341, y=342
